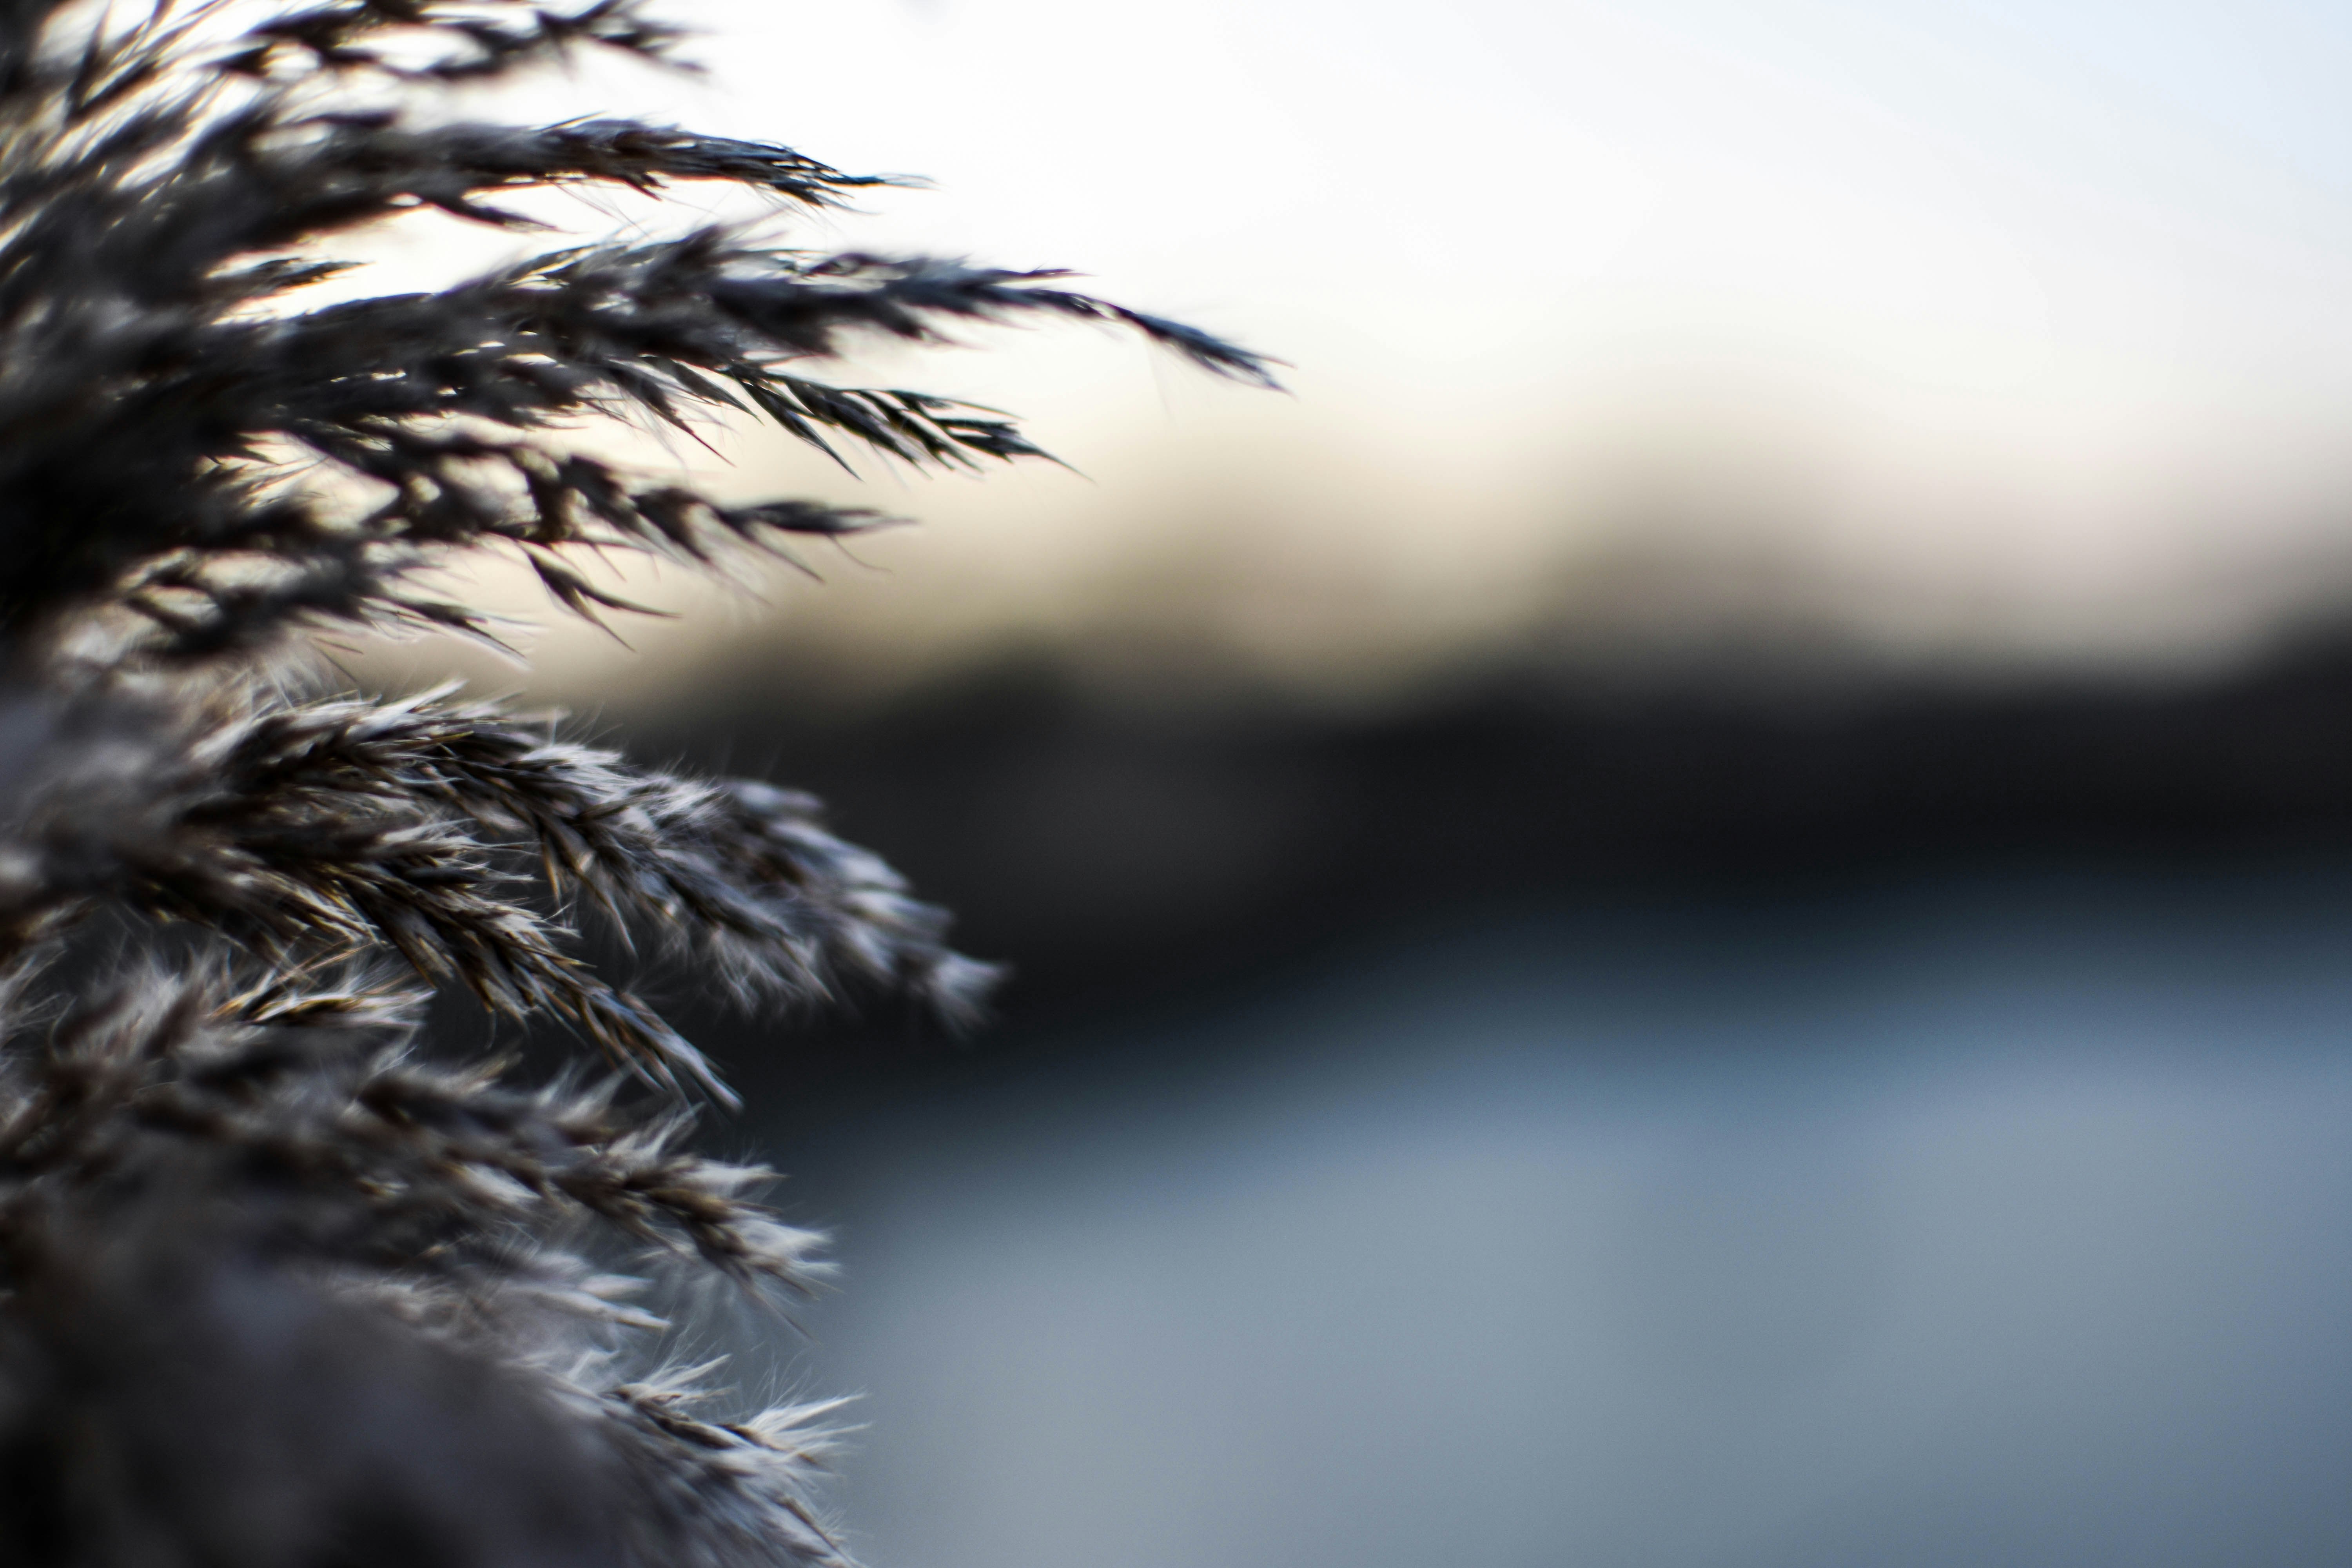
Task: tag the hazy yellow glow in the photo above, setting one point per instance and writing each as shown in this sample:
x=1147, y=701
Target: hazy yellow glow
x=1983, y=330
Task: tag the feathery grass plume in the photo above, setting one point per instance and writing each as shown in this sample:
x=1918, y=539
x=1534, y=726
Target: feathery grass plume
x=281, y=1283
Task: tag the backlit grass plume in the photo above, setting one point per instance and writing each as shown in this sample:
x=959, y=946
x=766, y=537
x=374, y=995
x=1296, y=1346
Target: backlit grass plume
x=280, y=1282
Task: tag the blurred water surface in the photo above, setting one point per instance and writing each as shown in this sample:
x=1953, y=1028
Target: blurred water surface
x=1992, y=1220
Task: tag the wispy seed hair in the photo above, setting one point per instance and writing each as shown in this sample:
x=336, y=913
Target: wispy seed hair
x=283, y=1281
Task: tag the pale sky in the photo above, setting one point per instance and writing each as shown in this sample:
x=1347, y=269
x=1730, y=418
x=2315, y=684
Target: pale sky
x=1999, y=329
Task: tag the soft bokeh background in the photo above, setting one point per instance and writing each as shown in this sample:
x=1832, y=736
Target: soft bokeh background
x=1697, y=908
x=1970, y=334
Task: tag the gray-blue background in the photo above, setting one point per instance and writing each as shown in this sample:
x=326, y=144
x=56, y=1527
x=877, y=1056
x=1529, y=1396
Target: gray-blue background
x=1956, y=1220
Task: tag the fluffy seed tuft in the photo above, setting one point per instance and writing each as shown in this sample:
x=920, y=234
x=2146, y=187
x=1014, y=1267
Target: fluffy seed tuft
x=283, y=1281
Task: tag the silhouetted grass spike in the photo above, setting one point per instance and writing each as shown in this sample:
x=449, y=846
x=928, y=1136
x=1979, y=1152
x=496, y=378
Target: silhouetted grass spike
x=150, y=192
x=281, y=1283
